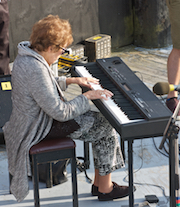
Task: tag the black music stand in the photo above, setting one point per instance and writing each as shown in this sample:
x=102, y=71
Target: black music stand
x=171, y=133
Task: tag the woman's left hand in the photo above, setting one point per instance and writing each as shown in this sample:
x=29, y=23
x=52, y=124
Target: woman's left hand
x=85, y=81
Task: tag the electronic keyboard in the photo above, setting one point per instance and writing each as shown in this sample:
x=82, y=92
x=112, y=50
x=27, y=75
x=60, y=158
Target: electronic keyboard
x=134, y=111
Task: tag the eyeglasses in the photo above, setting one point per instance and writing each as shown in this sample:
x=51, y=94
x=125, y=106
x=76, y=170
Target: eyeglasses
x=64, y=50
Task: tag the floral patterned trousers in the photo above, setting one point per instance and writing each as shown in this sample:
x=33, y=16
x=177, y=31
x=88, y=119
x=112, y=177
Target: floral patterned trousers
x=96, y=129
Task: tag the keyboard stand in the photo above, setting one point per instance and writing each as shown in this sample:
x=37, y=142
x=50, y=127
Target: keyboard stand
x=130, y=170
x=173, y=175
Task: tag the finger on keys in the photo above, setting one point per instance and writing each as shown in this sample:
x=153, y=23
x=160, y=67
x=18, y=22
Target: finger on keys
x=93, y=80
x=106, y=94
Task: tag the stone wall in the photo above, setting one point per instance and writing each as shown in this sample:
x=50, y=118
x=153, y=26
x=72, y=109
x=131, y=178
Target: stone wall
x=151, y=23
x=87, y=17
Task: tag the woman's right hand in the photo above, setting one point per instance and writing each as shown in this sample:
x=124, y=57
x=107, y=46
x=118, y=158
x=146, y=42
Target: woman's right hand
x=98, y=94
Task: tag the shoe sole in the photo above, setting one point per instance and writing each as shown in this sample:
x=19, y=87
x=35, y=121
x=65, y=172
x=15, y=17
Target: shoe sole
x=116, y=197
x=111, y=199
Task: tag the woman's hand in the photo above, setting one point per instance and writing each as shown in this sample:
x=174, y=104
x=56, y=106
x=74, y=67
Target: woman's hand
x=85, y=81
x=92, y=94
x=82, y=81
x=98, y=94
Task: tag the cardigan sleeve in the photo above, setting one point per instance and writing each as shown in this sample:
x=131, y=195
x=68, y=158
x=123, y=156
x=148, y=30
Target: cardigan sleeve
x=44, y=92
x=62, y=82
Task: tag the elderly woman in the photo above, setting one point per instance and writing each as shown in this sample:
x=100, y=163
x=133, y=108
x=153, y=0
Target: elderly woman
x=38, y=107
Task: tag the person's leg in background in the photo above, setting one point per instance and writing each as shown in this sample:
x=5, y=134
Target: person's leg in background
x=173, y=63
x=4, y=38
x=173, y=69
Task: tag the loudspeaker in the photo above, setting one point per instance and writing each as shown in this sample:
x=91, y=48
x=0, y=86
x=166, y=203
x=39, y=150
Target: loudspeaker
x=5, y=102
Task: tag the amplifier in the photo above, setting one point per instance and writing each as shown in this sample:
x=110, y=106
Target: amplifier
x=5, y=102
x=97, y=47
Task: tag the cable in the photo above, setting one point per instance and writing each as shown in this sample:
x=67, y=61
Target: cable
x=82, y=168
x=158, y=149
x=166, y=154
x=154, y=185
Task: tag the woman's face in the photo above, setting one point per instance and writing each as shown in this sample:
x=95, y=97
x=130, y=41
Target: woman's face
x=52, y=56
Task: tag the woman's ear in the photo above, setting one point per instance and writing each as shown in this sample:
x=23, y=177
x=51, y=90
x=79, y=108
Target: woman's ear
x=50, y=49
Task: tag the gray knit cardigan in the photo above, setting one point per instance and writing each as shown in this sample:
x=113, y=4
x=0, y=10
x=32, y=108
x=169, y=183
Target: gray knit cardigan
x=36, y=102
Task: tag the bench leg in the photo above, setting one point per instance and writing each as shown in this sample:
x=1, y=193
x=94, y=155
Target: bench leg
x=74, y=181
x=10, y=178
x=86, y=155
x=35, y=181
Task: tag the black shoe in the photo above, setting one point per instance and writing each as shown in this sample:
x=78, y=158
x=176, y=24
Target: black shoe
x=94, y=190
x=117, y=192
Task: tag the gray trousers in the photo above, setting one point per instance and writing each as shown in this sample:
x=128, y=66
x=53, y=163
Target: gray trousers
x=96, y=129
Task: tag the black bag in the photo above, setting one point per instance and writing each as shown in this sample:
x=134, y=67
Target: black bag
x=59, y=173
x=62, y=129
x=67, y=127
